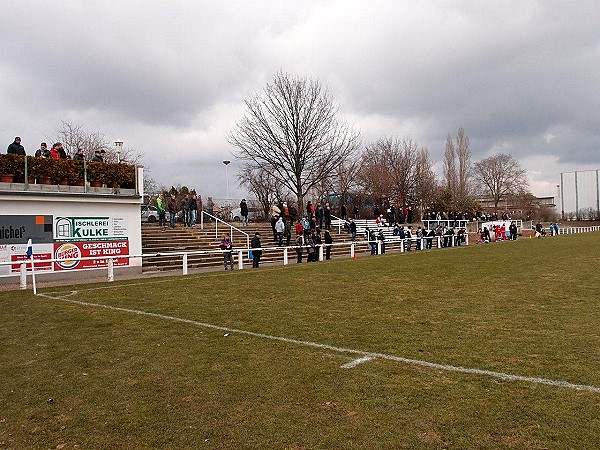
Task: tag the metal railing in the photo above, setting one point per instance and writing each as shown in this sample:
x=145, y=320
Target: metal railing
x=223, y=225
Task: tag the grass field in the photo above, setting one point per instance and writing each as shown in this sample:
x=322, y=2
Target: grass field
x=310, y=356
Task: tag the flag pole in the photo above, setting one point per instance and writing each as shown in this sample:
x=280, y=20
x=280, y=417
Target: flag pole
x=33, y=276
x=30, y=256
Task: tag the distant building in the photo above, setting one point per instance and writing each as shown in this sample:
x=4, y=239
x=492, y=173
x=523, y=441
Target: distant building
x=580, y=194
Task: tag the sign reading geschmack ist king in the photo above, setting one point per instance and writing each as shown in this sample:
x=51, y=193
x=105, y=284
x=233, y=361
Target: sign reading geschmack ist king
x=66, y=238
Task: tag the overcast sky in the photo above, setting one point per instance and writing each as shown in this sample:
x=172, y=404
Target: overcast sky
x=168, y=78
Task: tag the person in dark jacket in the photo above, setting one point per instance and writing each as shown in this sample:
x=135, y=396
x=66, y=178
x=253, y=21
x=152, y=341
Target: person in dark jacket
x=299, y=244
x=16, y=148
x=43, y=151
x=79, y=156
x=256, y=254
x=244, y=212
x=328, y=242
x=227, y=247
x=98, y=156
x=172, y=206
x=194, y=208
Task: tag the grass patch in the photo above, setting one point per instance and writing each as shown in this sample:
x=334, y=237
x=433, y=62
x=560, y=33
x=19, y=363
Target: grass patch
x=88, y=377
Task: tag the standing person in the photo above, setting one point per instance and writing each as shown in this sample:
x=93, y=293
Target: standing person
x=287, y=232
x=244, y=212
x=316, y=236
x=172, y=210
x=355, y=212
x=299, y=227
x=381, y=239
x=327, y=216
x=185, y=207
x=353, y=229
x=98, y=157
x=227, y=247
x=61, y=151
x=43, y=151
x=160, y=208
x=310, y=210
x=193, y=209
x=305, y=226
x=310, y=247
x=279, y=229
x=79, y=156
x=16, y=148
x=299, y=243
x=343, y=212
x=256, y=254
x=320, y=215
x=328, y=242
x=513, y=231
x=274, y=219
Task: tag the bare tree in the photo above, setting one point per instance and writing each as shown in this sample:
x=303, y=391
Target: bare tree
x=345, y=178
x=426, y=186
x=396, y=169
x=262, y=185
x=73, y=136
x=458, y=170
x=464, y=170
x=500, y=176
x=291, y=131
x=450, y=177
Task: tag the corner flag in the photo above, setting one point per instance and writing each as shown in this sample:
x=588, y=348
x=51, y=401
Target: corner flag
x=29, y=249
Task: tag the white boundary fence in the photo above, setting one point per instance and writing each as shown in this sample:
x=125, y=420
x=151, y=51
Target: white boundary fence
x=404, y=245
x=573, y=230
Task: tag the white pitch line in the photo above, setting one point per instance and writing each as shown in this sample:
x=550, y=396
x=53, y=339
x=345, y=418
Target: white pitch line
x=372, y=355
x=356, y=362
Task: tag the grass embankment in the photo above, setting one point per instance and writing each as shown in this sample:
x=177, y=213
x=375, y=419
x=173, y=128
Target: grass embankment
x=83, y=376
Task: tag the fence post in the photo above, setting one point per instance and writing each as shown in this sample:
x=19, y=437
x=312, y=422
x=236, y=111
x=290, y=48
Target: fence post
x=202, y=220
x=402, y=245
x=23, y=273
x=285, y=256
x=466, y=238
x=111, y=271
x=352, y=250
x=240, y=259
x=185, y=264
x=379, y=247
x=439, y=244
x=321, y=252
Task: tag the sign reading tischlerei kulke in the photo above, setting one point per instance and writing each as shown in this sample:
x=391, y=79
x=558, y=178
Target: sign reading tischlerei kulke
x=89, y=228
x=65, y=238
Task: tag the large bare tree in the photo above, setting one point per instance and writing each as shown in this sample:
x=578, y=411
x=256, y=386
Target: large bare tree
x=499, y=176
x=292, y=131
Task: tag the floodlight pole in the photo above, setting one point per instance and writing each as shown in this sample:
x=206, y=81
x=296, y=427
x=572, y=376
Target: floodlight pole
x=227, y=162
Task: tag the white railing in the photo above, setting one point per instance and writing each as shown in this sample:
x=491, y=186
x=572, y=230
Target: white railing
x=224, y=225
x=390, y=244
x=26, y=266
x=573, y=230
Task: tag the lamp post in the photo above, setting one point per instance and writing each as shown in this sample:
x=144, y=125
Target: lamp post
x=119, y=148
x=227, y=162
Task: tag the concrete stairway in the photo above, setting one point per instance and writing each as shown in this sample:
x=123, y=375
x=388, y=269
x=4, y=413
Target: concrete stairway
x=180, y=239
